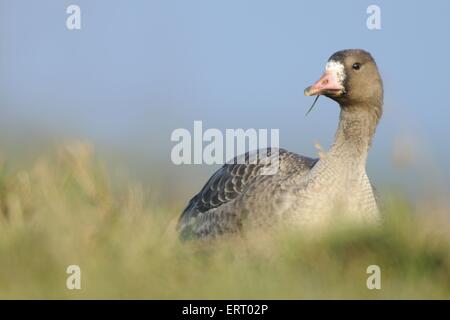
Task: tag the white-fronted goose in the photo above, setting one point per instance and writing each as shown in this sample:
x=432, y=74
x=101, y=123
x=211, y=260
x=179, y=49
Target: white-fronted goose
x=304, y=190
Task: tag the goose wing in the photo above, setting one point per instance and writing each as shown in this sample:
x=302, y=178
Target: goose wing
x=205, y=213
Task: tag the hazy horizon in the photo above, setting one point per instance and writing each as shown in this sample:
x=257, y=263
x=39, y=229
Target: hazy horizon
x=137, y=71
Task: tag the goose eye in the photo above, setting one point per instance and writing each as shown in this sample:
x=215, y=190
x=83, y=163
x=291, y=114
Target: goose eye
x=356, y=66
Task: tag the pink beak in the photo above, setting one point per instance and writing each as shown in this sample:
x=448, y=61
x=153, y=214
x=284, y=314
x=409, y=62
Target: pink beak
x=327, y=84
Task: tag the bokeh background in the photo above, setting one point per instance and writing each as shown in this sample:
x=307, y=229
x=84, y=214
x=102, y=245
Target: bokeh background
x=137, y=70
x=85, y=123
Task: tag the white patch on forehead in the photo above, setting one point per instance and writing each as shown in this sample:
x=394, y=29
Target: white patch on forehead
x=337, y=68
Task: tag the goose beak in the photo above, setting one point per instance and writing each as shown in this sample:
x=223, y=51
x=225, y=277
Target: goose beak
x=328, y=84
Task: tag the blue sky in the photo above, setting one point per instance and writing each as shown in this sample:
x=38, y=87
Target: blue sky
x=137, y=70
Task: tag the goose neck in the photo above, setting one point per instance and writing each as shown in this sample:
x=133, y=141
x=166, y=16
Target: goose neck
x=354, y=135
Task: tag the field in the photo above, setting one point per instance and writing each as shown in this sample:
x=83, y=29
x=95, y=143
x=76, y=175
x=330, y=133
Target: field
x=63, y=210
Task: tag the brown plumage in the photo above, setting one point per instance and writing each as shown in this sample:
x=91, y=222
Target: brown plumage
x=304, y=191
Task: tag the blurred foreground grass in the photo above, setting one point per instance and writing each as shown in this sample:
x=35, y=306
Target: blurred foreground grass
x=62, y=211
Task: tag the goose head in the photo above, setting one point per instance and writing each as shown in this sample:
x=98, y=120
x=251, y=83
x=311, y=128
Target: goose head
x=352, y=79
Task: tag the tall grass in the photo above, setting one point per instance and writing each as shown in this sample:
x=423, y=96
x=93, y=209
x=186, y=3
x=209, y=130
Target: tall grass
x=63, y=211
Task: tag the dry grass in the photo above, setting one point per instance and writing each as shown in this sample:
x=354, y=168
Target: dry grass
x=62, y=211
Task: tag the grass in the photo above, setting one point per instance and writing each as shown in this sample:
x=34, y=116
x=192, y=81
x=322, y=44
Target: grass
x=63, y=211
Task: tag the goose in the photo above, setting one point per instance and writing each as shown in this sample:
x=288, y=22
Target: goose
x=303, y=191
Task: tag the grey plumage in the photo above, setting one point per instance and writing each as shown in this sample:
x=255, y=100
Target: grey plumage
x=303, y=191
x=218, y=208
